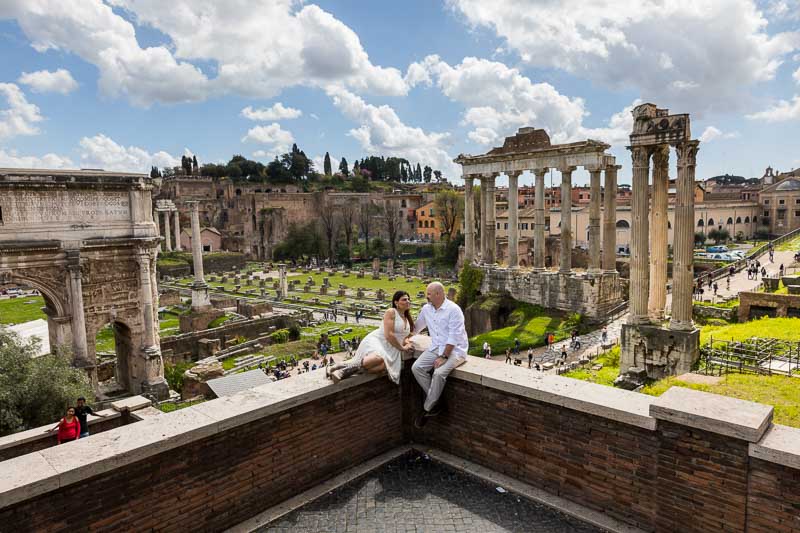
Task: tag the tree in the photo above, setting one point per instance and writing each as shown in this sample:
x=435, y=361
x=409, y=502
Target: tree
x=348, y=214
x=418, y=174
x=699, y=238
x=327, y=164
x=719, y=235
x=343, y=167
x=35, y=391
x=330, y=222
x=154, y=172
x=392, y=222
x=437, y=175
x=449, y=206
x=301, y=242
x=366, y=212
x=194, y=164
x=426, y=174
x=378, y=247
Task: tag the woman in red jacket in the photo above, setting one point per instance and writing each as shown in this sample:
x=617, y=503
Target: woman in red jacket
x=69, y=428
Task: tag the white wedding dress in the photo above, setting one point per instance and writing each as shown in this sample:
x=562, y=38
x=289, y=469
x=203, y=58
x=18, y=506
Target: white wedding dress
x=376, y=343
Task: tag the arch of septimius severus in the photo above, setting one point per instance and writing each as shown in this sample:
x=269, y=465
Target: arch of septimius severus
x=593, y=292
x=87, y=241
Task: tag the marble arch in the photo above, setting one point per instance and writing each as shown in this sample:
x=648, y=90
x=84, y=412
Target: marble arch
x=87, y=240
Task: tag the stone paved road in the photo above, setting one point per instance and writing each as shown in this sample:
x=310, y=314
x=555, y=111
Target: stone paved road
x=412, y=493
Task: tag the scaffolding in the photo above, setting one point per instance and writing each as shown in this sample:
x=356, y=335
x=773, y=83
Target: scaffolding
x=756, y=355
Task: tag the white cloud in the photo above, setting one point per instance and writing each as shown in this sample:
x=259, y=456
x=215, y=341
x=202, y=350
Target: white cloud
x=782, y=111
x=276, y=112
x=20, y=117
x=44, y=81
x=647, y=44
x=711, y=133
x=796, y=75
x=278, y=140
x=257, y=48
x=381, y=131
x=11, y=159
x=103, y=152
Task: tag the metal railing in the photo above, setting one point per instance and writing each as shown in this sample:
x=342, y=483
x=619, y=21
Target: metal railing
x=754, y=253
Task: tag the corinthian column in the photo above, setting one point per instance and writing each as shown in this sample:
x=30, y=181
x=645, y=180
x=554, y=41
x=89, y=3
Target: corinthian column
x=594, y=221
x=538, y=221
x=200, y=300
x=158, y=227
x=683, y=239
x=513, y=219
x=146, y=294
x=469, y=221
x=482, y=226
x=177, y=246
x=640, y=275
x=658, y=235
x=610, y=219
x=491, y=220
x=80, y=350
x=566, y=219
x=167, y=234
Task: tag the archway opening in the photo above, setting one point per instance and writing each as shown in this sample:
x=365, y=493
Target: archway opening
x=113, y=350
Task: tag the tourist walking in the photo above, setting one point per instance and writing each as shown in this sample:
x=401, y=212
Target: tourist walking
x=564, y=352
x=530, y=356
x=508, y=356
x=69, y=427
x=486, y=349
x=604, y=336
x=382, y=350
x=444, y=321
x=516, y=346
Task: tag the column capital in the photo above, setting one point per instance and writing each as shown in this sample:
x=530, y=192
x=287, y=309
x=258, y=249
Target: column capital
x=470, y=178
x=640, y=156
x=687, y=153
x=661, y=155
x=540, y=171
x=514, y=173
x=612, y=168
x=595, y=168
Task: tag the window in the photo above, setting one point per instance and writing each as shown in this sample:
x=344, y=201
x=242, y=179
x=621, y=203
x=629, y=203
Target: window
x=738, y=220
x=506, y=225
x=433, y=223
x=781, y=215
x=766, y=214
x=730, y=221
x=710, y=222
x=781, y=202
x=766, y=202
x=403, y=203
x=430, y=212
x=797, y=201
x=797, y=213
x=623, y=224
x=238, y=192
x=746, y=220
x=755, y=219
x=1, y=215
x=700, y=223
x=669, y=224
x=498, y=225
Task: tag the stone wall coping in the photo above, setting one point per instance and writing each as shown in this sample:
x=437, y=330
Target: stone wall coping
x=36, y=473
x=780, y=445
x=131, y=403
x=623, y=406
x=723, y=415
x=23, y=437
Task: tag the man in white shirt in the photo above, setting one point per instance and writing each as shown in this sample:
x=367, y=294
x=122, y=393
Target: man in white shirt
x=445, y=323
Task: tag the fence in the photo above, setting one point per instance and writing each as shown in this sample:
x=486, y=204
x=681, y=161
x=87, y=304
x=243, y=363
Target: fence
x=756, y=355
x=755, y=252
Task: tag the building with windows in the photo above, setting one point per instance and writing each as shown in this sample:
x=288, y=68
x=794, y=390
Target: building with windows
x=780, y=204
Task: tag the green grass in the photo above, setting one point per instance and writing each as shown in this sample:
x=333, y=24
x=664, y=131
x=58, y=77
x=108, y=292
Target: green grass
x=104, y=342
x=219, y=321
x=313, y=333
x=777, y=328
x=730, y=304
x=21, y=309
x=604, y=376
x=169, y=407
x=790, y=245
x=528, y=324
x=168, y=323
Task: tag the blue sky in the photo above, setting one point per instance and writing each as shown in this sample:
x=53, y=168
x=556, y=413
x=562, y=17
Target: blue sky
x=124, y=84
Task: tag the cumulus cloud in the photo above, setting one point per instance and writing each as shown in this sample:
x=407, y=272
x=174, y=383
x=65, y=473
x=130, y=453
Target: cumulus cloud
x=103, y=152
x=44, y=81
x=712, y=133
x=499, y=99
x=11, y=159
x=782, y=111
x=380, y=131
x=276, y=139
x=258, y=48
x=796, y=75
x=690, y=57
x=276, y=112
x=20, y=117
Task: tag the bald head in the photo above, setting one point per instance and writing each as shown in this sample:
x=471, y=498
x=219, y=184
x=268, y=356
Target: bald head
x=435, y=294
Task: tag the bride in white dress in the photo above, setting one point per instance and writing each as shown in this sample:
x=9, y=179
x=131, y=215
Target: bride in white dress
x=382, y=349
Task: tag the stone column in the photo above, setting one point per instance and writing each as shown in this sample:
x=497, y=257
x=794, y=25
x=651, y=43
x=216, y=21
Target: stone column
x=513, y=219
x=640, y=271
x=152, y=382
x=566, y=219
x=283, y=284
x=491, y=221
x=469, y=220
x=200, y=299
x=80, y=350
x=177, y=246
x=158, y=227
x=683, y=239
x=167, y=234
x=594, y=221
x=658, y=235
x=538, y=221
x=146, y=295
x=610, y=219
x=482, y=227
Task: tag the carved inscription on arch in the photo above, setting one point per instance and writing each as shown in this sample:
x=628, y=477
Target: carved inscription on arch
x=21, y=207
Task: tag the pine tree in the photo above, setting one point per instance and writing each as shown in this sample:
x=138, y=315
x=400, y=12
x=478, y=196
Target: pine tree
x=343, y=167
x=327, y=164
x=418, y=174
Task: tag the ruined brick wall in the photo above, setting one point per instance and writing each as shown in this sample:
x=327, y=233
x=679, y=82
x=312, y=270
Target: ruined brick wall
x=782, y=304
x=219, y=481
x=773, y=499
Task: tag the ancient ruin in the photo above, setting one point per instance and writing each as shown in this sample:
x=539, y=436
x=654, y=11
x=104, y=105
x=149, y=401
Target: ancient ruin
x=646, y=342
x=86, y=240
x=592, y=293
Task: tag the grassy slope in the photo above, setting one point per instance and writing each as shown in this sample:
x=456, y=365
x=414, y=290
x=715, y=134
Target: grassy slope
x=528, y=324
x=22, y=309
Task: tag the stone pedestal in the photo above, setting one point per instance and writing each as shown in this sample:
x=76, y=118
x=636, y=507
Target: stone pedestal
x=661, y=352
x=199, y=320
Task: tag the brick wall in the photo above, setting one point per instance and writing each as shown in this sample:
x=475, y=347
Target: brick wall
x=783, y=304
x=773, y=499
x=219, y=481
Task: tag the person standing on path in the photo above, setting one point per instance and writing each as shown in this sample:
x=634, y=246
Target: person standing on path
x=530, y=356
x=508, y=356
x=444, y=321
x=516, y=346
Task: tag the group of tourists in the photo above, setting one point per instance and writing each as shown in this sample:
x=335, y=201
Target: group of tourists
x=75, y=424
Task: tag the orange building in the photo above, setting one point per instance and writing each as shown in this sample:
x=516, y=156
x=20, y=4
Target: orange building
x=429, y=224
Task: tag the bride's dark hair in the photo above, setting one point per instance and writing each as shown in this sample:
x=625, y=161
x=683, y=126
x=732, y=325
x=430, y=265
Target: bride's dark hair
x=395, y=298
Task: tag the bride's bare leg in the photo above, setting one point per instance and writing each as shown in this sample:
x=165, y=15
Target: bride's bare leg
x=377, y=368
x=371, y=362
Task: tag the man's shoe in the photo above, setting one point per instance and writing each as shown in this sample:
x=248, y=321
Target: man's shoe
x=438, y=408
x=421, y=420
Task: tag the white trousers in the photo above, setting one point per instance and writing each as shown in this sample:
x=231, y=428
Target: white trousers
x=433, y=386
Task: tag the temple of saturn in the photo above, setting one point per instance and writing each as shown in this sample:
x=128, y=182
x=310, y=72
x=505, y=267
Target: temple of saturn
x=168, y=209
x=86, y=240
x=593, y=292
x=646, y=342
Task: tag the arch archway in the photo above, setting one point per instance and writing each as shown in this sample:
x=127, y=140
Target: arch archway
x=730, y=221
x=700, y=223
x=623, y=224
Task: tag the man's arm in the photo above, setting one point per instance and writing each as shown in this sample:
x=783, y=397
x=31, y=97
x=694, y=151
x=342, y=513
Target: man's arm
x=421, y=322
x=455, y=329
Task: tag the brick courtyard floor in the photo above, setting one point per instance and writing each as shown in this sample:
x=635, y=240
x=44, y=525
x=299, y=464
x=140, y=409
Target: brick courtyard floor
x=412, y=493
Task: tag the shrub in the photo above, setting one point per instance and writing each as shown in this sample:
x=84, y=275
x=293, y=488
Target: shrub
x=469, y=280
x=294, y=332
x=280, y=337
x=174, y=374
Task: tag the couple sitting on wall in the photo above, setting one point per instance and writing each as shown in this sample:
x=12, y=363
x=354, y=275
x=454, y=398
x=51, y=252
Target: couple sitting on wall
x=382, y=350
